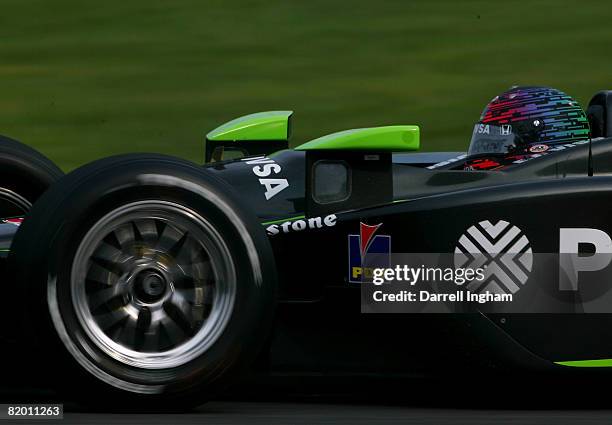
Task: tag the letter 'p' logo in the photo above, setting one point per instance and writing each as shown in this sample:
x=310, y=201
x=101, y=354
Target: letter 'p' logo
x=571, y=262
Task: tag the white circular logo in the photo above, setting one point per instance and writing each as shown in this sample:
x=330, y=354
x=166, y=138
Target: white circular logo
x=502, y=250
x=538, y=148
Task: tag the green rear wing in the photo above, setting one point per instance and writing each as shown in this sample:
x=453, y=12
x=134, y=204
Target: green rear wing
x=256, y=134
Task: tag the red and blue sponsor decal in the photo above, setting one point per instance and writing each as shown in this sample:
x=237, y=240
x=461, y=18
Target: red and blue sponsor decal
x=367, y=251
x=14, y=221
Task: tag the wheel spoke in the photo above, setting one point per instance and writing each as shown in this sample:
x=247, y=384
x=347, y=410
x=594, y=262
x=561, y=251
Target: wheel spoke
x=175, y=250
x=180, y=306
x=111, y=319
x=150, y=340
x=208, y=293
x=125, y=235
x=147, y=331
x=186, y=252
x=187, y=293
x=104, y=296
x=112, y=266
x=144, y=320
x=174, y=332
x=169, y=238
x=100, y=274
x=109, y=253
x=183, y=280
x=197, y=270
x=128, y=332
x=201, y=270
x=147, y=230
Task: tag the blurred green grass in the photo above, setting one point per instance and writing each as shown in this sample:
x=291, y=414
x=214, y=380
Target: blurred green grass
x=82, y=80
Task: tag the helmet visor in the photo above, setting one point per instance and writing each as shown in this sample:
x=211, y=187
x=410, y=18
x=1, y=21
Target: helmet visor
x=493, y=139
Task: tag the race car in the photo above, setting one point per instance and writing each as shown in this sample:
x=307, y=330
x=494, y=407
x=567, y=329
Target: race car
x=147, y=281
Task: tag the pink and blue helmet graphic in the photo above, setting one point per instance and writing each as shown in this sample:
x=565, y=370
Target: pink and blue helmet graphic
x=561, y=117
x=367, y=251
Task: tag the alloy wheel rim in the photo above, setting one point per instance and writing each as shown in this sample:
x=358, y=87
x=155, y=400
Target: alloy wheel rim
x=153, y=284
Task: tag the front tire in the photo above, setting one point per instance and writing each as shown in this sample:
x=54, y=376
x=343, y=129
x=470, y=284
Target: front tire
x=157, y=282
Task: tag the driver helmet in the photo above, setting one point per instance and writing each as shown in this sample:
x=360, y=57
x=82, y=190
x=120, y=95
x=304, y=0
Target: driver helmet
x=524, y=122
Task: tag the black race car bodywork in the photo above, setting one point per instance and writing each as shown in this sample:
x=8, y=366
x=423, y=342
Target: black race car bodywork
x=312, y=202
x=425, y=202
x=428, y=211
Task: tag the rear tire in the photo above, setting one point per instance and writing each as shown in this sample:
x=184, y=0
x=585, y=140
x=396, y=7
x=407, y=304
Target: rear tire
x=25, y=175
x=155, y=284
x=25, y=171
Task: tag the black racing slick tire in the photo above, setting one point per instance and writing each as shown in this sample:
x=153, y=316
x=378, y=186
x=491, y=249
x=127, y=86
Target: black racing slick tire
x=25, y=174
x=151, y=283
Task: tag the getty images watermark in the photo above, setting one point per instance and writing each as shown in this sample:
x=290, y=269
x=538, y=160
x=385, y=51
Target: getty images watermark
x=509, y=283
x=414, y=275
